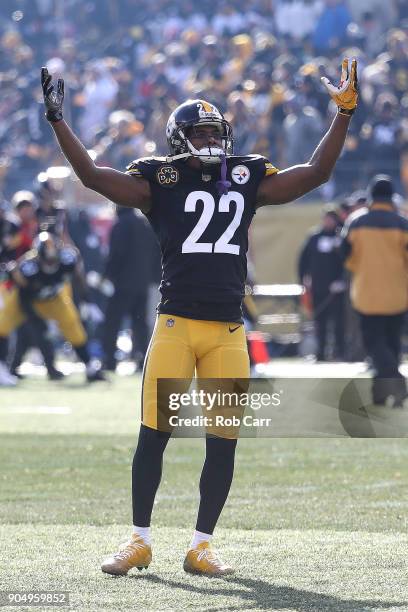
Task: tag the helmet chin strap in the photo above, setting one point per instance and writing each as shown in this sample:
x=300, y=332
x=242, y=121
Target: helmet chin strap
x=170, y=158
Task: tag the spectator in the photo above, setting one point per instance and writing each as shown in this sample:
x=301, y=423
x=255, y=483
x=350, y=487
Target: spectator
x=347, y=174
x=131, y=249
x=383, y=137
x=386, y=12
x=302, y=127
x=372, y=32
x=125, y=137
x=228, y=20
x=397, y=61
x=98, y=99
x=353, y=342
x=24, y=203
x=297, y=18
x=183, y=49
x=331, y=28
x=244, y=119
x=320, y=270
x=375, y=244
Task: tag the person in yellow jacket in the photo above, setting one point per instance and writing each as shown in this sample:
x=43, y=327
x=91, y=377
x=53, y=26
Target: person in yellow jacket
x=375, y=249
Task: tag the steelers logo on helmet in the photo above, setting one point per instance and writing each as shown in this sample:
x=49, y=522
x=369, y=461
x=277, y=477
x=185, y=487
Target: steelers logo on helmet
x=208, y=111
x=240, y=174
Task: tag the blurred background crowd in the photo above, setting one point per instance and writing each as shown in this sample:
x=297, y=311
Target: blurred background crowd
x=128, y=63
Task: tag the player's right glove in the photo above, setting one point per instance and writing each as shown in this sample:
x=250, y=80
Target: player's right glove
x=53, y=99
x=346, y=94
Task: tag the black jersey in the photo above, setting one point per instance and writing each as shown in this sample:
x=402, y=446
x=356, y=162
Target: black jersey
x=203, y=236
x=42, y=285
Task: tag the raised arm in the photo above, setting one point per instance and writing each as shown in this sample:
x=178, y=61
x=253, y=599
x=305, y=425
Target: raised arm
x=113, y=184
x=292, y=183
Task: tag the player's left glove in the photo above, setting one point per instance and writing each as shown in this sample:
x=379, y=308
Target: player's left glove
x=346, y=94
x=53, y=98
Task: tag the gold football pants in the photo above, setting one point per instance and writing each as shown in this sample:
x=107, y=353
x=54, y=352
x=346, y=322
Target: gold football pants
x=60, y=308
x=180, y=348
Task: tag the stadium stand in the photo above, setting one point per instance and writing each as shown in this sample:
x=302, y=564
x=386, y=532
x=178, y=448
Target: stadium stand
x=260, y=63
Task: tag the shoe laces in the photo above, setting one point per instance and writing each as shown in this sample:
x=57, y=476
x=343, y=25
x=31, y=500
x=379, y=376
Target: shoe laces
x=210, y=556
x=129, y=550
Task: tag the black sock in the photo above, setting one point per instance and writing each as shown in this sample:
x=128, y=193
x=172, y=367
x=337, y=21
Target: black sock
x=38, y=329
x=146, y=473
x=215, y=481
x=83, y=353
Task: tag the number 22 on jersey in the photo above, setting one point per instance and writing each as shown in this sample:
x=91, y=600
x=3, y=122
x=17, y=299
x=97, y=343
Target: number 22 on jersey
x=222, y=245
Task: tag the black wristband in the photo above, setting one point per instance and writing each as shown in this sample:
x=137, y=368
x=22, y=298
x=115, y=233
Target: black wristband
x=346, y=111
x=54, y=116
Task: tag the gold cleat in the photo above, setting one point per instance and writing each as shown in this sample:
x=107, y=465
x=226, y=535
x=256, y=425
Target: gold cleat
x=203, y=560
x=135, y=553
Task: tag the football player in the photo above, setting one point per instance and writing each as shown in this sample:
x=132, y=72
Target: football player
x=33, y=331
x=200, y=201
x=40, y=289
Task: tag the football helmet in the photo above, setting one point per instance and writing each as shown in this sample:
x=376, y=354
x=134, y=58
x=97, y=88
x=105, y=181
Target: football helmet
x=193, y=113
x=48, y=248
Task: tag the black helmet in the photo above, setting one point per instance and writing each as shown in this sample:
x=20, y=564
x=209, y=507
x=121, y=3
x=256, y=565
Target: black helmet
x=192, y=113
x=48, y=247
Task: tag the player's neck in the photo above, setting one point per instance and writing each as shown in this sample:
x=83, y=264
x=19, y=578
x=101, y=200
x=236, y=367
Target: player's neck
x=193, y=162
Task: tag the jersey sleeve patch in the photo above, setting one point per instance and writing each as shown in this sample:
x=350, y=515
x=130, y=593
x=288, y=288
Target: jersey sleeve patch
x=133, y=169
x=270, y=168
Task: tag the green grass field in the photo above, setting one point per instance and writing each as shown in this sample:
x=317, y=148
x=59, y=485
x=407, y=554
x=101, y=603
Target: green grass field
x=311, y=524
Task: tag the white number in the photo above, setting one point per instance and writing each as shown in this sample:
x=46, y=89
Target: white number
x=222, y=245
x=191, y=244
